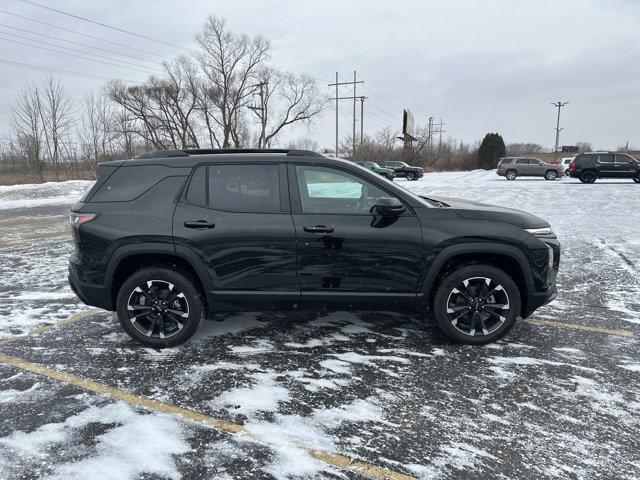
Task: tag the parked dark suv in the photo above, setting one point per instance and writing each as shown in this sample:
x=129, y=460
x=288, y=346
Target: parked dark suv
x=403, y=169
x=593, y=165
x=167, y=236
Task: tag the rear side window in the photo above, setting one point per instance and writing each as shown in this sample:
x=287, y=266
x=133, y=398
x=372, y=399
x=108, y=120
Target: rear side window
x=506, y=161
x=197, y=193
x=244, y=188
x=128, y=183
x=522, y=161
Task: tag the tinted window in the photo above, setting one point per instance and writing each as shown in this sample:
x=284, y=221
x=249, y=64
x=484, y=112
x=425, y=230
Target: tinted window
x=535, y=161
x=244, y=188
x=522, y=161
x=506, y=161
x=197, y=193
x=606, y=158
x=623, y=159
x=128, y=183
x=329, y=190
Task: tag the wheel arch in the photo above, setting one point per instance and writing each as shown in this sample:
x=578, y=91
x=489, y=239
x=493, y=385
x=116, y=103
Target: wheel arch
x=130, y=258
x=505, y=257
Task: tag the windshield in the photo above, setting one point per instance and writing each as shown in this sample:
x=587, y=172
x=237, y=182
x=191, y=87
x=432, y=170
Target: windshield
x=374, y=164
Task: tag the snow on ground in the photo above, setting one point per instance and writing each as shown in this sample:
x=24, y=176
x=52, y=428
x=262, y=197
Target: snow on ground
x=380, y=387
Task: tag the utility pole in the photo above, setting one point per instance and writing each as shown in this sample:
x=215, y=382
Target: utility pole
x=354, y=98
x=261, y=115
x=558, y=105
x=362, y=120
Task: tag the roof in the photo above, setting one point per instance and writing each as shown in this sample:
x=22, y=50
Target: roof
x=189, y=158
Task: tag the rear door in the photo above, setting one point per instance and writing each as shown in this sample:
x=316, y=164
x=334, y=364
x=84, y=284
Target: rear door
x=523, y=167
x=346, y=254
x=608, y=168
x=236, y=218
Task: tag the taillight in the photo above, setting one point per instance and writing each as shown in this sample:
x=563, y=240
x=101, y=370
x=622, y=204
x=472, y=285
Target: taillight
x=573, y=167
x=80, y=218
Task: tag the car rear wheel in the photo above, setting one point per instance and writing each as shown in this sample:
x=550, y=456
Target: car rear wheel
x=551, y=175
x=588, y=177
x=511, y=174
x=476, y=304
x=411, y=176
x=159, y=307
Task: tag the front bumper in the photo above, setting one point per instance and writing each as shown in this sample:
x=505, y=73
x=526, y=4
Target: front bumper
x=536, y=300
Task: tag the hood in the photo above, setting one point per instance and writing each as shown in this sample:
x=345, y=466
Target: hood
x=481, y=211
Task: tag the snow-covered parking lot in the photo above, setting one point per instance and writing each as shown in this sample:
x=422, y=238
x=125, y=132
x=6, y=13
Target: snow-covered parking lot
x=338, y=395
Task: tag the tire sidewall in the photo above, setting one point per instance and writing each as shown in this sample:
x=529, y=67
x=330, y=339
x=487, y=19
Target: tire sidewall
x=551, y=175
x=453, y=280
x=183, y=283
x=411, y=176
x=511, y=175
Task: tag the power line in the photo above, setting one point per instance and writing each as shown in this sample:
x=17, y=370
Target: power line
x=117, y=29
x=77, y=43
x=74, y=55
x=79, y=51
x=63, y=71
x=392, y=117
x=83, y=34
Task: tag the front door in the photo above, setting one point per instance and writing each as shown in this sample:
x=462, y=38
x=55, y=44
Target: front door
x=236, y=218
x=625, y=166
x=346, y=254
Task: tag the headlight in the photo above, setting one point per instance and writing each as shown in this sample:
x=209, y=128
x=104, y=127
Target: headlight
x=550, y=257
x=539, y=231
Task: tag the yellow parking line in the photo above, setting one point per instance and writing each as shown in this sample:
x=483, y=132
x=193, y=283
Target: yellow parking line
x=575, y=326
x=335, y=460
x=61, y=323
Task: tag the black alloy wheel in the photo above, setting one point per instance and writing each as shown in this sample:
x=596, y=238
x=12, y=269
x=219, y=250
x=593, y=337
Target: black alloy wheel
x=159, y=307
x=476, y=304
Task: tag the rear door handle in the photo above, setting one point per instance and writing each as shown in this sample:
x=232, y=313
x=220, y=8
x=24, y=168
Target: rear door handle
x=199, y=224
x=318, y=229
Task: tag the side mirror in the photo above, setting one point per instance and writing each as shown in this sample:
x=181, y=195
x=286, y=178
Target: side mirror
x=388, y=207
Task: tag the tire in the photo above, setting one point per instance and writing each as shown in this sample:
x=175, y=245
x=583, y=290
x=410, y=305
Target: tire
x=411, y=176
x=159, y=326
x=482, y=323
x=567, y=172
x=551, y=175
x=511, y=175
x=588, y=177
x=637, y=179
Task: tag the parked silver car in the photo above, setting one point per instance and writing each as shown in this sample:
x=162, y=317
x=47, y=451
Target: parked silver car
x=513, y=167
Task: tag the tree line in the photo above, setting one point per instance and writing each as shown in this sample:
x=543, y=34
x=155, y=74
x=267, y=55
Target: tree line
x=223, y=94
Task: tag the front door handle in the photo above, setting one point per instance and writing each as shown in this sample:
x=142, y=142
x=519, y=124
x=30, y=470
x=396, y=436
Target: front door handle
x=199, y=224
x=318, y=229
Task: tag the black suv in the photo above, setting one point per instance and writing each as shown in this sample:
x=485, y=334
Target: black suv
x=593, y=165
x=405, y=170
x=168, y=236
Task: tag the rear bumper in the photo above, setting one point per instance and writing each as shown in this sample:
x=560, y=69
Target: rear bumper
x=93, y=295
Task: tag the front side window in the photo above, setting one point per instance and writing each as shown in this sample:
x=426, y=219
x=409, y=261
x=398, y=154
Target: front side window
x=535, y=161
x=333, y=191
x=244, y=188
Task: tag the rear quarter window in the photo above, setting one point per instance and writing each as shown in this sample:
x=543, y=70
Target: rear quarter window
x=128, y=183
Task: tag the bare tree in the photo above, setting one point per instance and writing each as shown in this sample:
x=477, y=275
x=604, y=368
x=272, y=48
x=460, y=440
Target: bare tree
x=97, y=127
x=286, y=99
x=231, y=64
x=56, y=115
x=26, y=122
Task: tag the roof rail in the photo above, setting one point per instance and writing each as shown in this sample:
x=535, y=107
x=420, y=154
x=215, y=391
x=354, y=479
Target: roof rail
x=227, y=151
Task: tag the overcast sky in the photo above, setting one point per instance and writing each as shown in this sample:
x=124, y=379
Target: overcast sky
x=480, y=65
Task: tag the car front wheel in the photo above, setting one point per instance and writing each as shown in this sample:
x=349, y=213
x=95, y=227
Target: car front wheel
x=159, y=307
x=476, y=304
x=637, y=179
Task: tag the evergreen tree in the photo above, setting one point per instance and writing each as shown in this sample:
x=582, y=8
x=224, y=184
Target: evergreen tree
x=490, y=151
